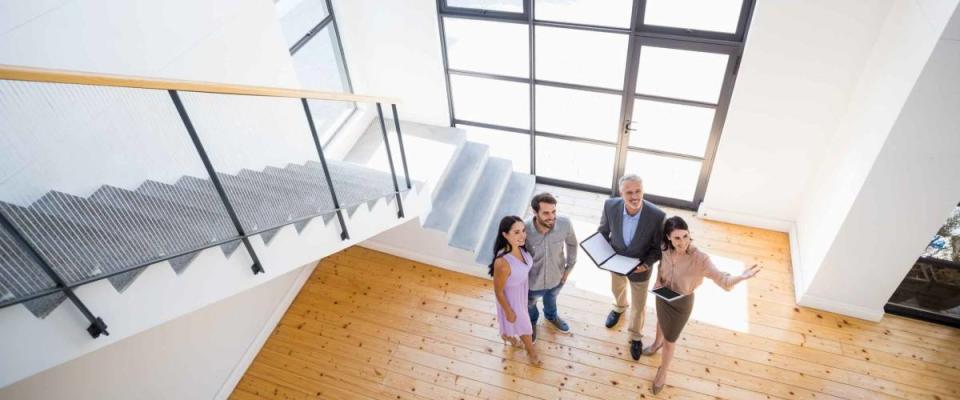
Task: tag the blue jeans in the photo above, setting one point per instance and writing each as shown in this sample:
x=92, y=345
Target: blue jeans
x=549, y=303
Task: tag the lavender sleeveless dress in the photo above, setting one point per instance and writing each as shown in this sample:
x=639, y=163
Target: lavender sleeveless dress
x=517, y=286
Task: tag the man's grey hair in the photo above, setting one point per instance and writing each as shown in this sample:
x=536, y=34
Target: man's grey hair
x=629, y=178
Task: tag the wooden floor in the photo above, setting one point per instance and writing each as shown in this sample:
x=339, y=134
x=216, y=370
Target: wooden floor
x=370, y=325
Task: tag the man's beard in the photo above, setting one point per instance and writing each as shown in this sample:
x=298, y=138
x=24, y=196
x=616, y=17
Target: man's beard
x=546, y=225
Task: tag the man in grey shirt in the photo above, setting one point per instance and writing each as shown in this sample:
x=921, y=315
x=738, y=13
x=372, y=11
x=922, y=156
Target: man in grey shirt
x=553, y=245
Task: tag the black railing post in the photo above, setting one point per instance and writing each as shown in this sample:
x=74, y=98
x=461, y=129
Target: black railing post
x=256, y=267
x=393, y=172
x=403, y=153
x=97, y=326
x=344, y=235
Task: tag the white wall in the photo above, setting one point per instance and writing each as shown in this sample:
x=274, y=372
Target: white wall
x=75, y=138
x=799, y=70
x=891, y=180
x=187, y=358
x=903, y=47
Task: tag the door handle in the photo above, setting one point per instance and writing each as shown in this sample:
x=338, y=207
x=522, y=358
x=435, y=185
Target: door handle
x=628, y=129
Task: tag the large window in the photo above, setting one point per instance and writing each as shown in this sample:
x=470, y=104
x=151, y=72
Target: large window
x=584, y=91
x=310, y=30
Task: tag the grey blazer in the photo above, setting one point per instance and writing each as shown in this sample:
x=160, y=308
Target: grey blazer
x=646, y=241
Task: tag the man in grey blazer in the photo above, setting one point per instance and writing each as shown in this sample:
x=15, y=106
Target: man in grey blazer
x=634, y=228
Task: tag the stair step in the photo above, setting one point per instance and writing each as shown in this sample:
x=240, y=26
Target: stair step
x=193, y=226
x=20, y=276
x=210, y=207
x=456, y=187
x=515, y=200
x=75, y=250
x=481, y=204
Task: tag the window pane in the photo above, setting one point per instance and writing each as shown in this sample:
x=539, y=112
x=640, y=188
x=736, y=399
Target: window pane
x=946, y=242
x=671, y=127
x=492, y=5
x=578, y=113
x=298, y=17
x=491, y=101
x=665, y=176
x=581, y=57
x=587, y=163
x=702, y=15
x=320, y=66
x=589, y=12
x=484, y=46
x=504, y=144
x=681, y=74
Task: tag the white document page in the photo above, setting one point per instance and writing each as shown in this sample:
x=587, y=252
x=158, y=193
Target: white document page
x=621, y=264
x=598, y=248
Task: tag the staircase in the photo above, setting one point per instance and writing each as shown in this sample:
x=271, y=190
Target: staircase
x=471, y=192
x=114, y=228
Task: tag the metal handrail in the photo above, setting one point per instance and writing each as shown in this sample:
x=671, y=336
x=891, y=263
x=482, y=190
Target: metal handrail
x=97, y=325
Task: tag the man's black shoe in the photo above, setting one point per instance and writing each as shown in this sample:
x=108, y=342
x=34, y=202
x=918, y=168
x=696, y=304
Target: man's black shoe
x=636, y=347
x=612, y=319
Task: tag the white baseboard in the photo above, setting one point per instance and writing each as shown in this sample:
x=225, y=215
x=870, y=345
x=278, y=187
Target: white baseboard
x=820, y=303
x=465, y=268
x=738, y=218
x=251, y=353
x=796, y=263
x=869, y=314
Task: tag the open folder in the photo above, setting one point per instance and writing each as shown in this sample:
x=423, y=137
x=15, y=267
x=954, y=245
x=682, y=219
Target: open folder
x=599, y=250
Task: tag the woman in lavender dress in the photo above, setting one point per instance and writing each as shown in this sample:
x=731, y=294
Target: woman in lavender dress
x=510, y=269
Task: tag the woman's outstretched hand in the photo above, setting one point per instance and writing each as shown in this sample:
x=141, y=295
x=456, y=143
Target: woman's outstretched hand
x=751, y=272
x=511, y=316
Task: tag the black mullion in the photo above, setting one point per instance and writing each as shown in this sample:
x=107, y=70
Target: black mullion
x=487, y=75
x=572, y=86
x=664, y=153
x=483, y=17
x=719, y=119
x=316, y=29
x=671, y=100
x=571, y=138
x=343, y=55
x=446, y=64
x=575, y=86
x=531, y=48
x=626, y=102
x=746, y=15
x=581, y=27
x=491, y=126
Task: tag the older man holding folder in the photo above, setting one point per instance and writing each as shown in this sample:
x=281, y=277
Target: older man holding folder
x=634, y=228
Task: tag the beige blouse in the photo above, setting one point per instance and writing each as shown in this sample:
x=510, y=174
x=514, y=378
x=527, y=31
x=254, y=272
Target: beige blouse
x=684, y=272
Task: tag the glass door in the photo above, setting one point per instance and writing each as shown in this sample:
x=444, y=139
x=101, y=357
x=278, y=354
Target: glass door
x=673, y=114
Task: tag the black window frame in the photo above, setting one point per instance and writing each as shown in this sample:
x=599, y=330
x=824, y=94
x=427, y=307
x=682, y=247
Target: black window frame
x=658, y=36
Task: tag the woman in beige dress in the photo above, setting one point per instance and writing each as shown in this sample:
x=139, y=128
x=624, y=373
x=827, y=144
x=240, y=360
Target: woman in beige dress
x=682, y=269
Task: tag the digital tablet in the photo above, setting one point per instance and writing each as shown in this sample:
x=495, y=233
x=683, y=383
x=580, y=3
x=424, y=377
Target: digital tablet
x=667, y=294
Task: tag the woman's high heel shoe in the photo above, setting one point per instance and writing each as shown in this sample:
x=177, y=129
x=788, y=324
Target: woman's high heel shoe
x=651, y=350
x=657, y=388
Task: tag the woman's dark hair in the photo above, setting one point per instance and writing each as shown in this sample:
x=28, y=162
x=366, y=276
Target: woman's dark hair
x=500, y=245
x=670, y=225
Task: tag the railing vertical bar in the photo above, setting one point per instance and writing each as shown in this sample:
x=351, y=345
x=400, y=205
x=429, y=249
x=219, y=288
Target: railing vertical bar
x=97, y=326
x=393, y=171
x=403, y=153
x=256, y=267
x=344, y=235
